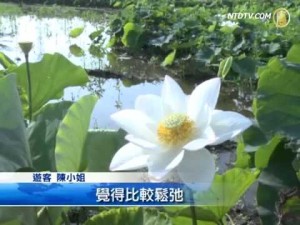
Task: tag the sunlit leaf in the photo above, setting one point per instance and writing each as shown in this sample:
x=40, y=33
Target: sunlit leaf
x=76, y=32
x=71, y=135
x=131, y=36
x=169, y=58
x=225, y=191
x=242, y=157
x=225, y=66
x=49, y=77
x=293, y=54
x=5, y=61
x=212, y=27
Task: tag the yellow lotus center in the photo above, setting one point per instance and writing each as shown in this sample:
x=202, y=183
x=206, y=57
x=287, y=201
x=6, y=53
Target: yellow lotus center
x=176, y=130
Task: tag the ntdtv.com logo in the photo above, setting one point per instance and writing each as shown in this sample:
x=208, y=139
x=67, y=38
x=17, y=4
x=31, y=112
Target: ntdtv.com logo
x=258, y=16
x=281, y=17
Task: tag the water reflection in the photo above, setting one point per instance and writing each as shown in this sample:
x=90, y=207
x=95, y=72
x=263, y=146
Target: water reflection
x=117, y=94
x=51, y=35
x=113, y=97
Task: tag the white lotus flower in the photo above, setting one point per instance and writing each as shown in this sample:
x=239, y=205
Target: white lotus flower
x=170, y=132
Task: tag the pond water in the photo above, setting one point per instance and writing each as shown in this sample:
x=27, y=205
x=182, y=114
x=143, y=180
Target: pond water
x=52, y=35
